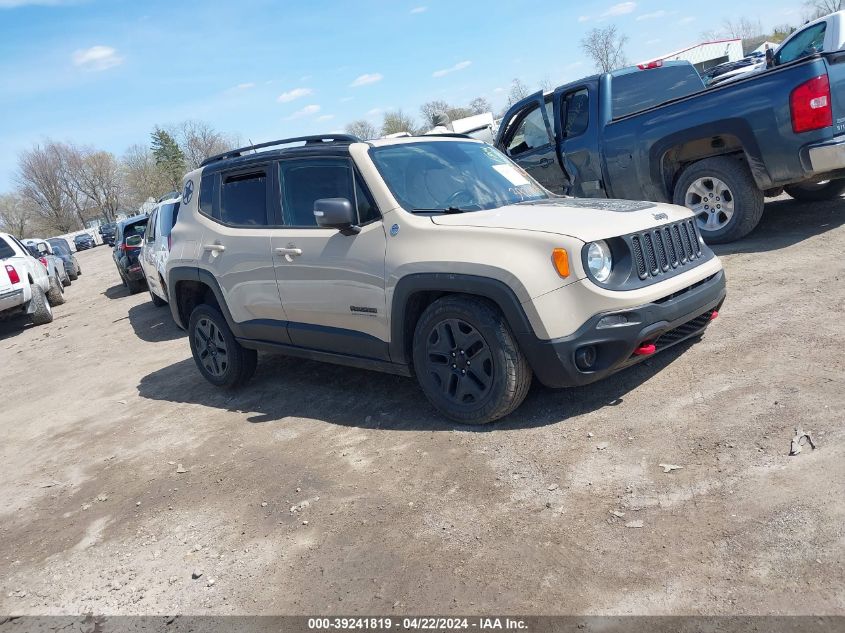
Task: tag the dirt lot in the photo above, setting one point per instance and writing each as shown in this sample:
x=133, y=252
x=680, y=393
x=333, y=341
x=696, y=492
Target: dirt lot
x=322, y=489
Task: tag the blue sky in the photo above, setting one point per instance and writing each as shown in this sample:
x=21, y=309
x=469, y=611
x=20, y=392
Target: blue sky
x=104, y=72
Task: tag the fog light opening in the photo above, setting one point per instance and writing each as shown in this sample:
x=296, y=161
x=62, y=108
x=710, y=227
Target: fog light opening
x=585, y=357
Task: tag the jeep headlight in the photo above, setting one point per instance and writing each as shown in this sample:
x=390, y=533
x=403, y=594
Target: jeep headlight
x=599, y=260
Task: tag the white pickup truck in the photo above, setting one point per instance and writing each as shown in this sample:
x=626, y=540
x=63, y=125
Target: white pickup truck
x=25, y=285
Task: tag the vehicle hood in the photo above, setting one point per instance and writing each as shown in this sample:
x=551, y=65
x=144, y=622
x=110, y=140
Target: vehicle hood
x=586, y=219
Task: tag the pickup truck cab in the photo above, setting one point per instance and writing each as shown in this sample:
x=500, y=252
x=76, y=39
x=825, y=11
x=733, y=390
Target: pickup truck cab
x=24, y=283
x=653, y=132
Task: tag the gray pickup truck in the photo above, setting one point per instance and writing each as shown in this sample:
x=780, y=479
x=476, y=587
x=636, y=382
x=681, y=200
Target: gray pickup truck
x=653, y=132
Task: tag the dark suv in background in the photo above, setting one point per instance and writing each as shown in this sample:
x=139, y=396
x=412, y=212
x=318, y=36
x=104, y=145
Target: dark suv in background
x=128, y=239
x=107, y=232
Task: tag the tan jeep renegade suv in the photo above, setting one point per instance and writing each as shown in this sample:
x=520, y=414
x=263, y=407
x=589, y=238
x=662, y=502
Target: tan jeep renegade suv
x=435, y=257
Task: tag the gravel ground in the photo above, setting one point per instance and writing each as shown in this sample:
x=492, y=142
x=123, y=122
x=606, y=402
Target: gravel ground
x=131, y=486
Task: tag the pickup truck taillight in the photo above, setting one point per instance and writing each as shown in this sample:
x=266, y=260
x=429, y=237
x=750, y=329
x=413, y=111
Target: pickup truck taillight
x=43, y=260
x=13, y=274
x=810, y=105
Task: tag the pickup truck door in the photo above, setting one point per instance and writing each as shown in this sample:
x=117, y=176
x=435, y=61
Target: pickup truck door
x=576, y=115
x=526, y=137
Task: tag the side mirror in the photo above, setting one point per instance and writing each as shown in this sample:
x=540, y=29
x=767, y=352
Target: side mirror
x=336, y=213
x=134, y=240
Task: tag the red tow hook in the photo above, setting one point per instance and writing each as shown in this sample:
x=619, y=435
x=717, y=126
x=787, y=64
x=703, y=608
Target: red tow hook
x=714, y=315
x=645, y=349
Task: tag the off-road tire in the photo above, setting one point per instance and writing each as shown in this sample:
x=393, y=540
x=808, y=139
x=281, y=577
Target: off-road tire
x=240, y=362
x=41, y=311
x=507, y=378
x=748, y=199
x=831, y=190
x=73, y=276
x=157, y=301
x=56, y=294
x=66, y=280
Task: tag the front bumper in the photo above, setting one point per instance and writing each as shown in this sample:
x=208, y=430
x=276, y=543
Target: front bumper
x=669, y=321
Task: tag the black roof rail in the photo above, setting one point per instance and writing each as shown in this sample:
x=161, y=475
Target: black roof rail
x=447, y=134
x=309, y=140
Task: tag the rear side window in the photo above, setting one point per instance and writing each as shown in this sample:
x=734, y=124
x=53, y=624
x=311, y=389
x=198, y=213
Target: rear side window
x=304, y=181
x=243, y=199
x=208, y=185
x=5, y=249
x=167, y=214
x=151, y=226
x=639, y=90
x=576, y=113
x=808, y=42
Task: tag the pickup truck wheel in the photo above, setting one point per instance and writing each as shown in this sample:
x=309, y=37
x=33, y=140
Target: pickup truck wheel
x=220, y=358
x=56, y=294
x=467, y=362
x=135, y=286
x=817, y=192
x=41, y=311
x=722, y=194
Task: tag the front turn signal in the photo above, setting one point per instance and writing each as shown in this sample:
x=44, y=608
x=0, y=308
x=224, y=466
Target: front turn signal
x=560, y=258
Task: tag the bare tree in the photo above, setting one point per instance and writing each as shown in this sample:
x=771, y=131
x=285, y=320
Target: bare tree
x=431, y=109
x=819, y=8
x=605, y=48
x=198, y=141
x=363, y=129
x=480, y=105
x=40, y=176
x=545, y=84
x=517, y=92
x=17, y=215
x=397, y=121
x=92, y=181
x=742, y=28
x=142, y=177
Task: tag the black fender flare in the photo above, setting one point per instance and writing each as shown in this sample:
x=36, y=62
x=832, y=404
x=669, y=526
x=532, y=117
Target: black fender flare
x=452, y=283
x=192, y=273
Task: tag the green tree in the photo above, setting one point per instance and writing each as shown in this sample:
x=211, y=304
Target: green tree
x=169, y=157
x=397, y=121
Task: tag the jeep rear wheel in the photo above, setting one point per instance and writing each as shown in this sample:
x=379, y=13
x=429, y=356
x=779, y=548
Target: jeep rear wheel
x=722, y=194
x=467, y=362
x=41, y=313
x=220, y=358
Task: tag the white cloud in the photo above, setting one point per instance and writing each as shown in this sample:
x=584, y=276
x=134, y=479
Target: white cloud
x=305, y=78
x=455, y=68
x=306, y=111
x=498, y=89
x=97, y=58
x=583, y=18
x=619, y=9
x=687, y=20
x=374, y=112
x=296, y=93
x=345, y=99
x=245, y=86
x=325, y=117
x=366, y=79
x=654, y=41
x=653, y=15
x=419, y=9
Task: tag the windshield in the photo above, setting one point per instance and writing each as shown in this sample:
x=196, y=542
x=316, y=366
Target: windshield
x=59, y=248
x=453, y=174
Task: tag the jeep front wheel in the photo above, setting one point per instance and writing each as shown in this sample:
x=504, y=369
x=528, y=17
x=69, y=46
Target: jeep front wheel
x=467, y=361
x=220, y=358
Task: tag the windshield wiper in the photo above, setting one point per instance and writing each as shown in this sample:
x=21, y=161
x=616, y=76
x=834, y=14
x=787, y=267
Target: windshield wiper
x=440, y=210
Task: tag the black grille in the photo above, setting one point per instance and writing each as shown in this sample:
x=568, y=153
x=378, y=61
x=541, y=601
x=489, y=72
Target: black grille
x=683, y=331
x=659, y=250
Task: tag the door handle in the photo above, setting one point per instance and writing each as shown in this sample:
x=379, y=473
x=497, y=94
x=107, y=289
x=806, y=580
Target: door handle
x=546, y=162
x=288, y=251
x=214, y=248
